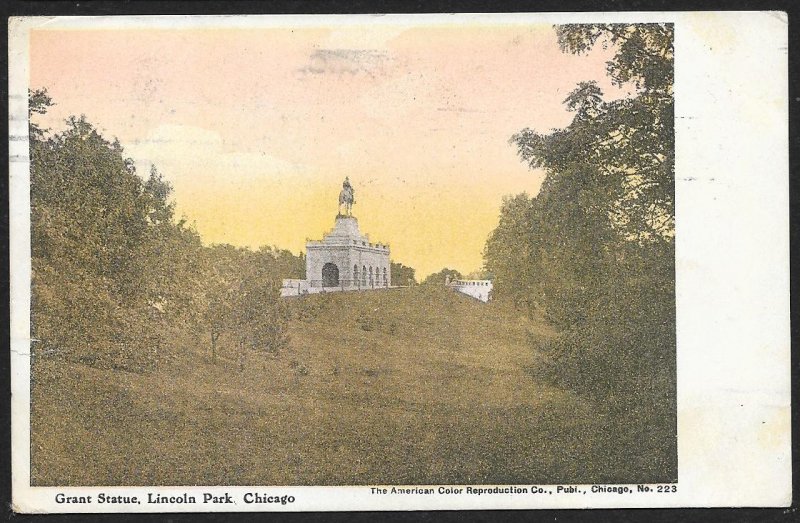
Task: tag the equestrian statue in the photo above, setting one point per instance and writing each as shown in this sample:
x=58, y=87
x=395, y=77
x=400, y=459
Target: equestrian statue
x=346, y=198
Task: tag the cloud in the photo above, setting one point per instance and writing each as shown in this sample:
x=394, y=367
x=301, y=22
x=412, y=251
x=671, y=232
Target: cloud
x=199, y=156
x=346, y=61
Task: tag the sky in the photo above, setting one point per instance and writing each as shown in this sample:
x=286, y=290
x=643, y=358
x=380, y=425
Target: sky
x=257, y=128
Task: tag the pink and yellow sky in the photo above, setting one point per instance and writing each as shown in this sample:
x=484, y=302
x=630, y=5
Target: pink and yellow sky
x=257, y=128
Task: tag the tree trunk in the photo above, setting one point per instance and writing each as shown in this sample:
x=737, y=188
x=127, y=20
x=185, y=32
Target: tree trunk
x=241, y=355
x=214, y=336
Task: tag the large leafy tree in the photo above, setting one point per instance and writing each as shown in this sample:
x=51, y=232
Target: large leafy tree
x=594, y=250
x=598, y=239
x=88, y=228
x=628, y=144
x=116, y=278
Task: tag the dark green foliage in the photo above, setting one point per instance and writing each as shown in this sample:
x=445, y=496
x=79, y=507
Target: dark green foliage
x=38, y=102
x=401, y=274
x=116, y=279
x=238, y=307
x=594, y=251
x=480, y=274
x=257, y=318
x=439, y=278
x=644, y=51
x=509, y=252
x=95, y=252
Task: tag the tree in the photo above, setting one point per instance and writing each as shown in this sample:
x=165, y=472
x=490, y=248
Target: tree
x=242, y=298
x=218, y=292
x=260, y=317
x=509, y=252
x=401, y=274
x=480, y=274
x=38, y=103
x=594, y=250
x=157, y=192
x=439, y=278
x=282, y=263
x=628, y=142
x=643, y=57
x=598, y=241
x=88, y=230
x=115, y=274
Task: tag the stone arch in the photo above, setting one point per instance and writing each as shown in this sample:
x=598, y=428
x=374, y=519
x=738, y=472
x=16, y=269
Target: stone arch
x=355, y=274
x=330, y=275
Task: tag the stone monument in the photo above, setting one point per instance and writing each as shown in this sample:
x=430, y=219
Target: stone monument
x=345, y=259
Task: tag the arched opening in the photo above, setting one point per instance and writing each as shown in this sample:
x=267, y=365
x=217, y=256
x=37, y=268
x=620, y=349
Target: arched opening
x=330, y=275
x=363, y=275
x=371, y=281
x=355, y=274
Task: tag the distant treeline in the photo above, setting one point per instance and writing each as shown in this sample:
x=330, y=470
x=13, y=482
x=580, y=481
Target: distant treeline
x=594, y=251
x=402, y=274
x=440, y=278
x=117, y=280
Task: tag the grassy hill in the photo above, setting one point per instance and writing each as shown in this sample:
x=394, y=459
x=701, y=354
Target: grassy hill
x=406, y=386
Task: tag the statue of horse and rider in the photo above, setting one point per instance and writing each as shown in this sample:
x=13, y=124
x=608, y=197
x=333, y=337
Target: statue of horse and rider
x=347, y=198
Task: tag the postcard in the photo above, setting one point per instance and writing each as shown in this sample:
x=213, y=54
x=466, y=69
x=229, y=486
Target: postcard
x=399, y=262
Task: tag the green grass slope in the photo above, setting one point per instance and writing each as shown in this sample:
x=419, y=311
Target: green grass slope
x=403, y=386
